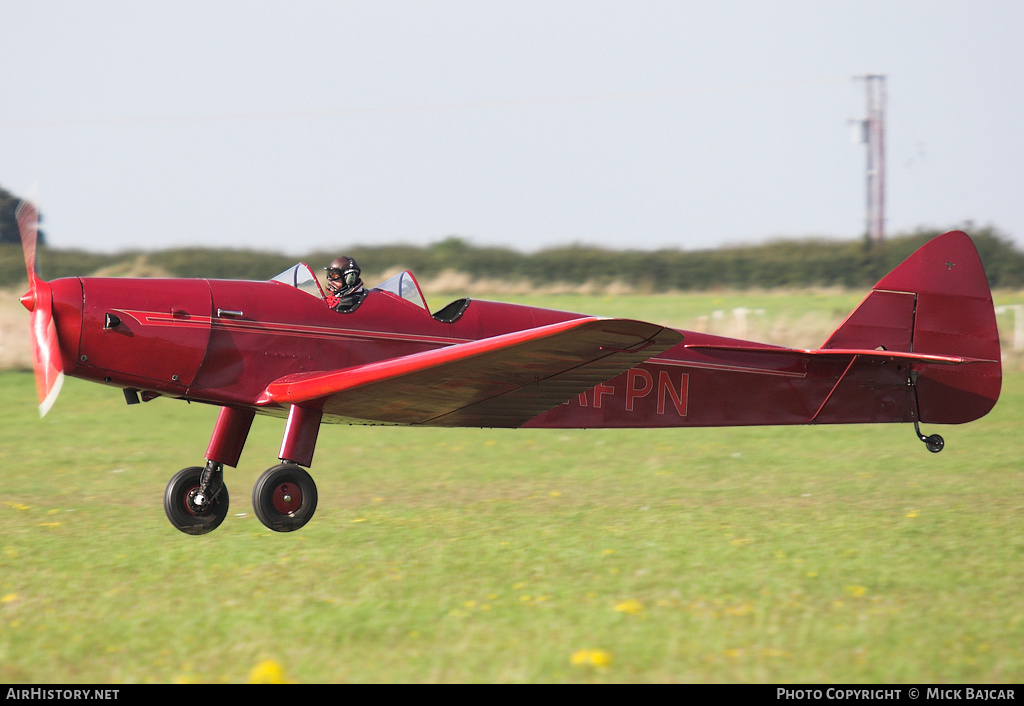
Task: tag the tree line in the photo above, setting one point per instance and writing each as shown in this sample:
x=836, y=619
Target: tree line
x=781, y=263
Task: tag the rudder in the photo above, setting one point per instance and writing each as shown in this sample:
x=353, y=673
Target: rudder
x=937, y=302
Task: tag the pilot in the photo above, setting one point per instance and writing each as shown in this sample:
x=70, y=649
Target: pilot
x=344, y=284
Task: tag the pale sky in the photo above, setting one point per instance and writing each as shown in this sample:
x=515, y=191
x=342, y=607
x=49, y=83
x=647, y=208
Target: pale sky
x=303, y=125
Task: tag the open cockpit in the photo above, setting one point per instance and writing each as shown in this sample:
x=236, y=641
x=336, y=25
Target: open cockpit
x=402, y=285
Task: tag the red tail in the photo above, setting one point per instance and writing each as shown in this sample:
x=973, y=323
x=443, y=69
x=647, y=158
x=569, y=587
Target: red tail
x=937, y=302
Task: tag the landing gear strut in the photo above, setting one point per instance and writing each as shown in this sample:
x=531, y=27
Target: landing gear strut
x=933, y=443
x=284, y=497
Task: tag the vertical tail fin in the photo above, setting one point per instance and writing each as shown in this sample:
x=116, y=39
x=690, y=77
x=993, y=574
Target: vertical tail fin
x=937, y=302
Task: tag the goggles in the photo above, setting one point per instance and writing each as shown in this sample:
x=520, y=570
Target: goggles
x=346, y=277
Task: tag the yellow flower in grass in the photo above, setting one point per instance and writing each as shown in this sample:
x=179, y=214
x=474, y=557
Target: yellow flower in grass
x=268, y=672
x=632, y=606
x=592, y=658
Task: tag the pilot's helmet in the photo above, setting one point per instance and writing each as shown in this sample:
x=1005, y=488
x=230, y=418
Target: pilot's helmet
x=343, y=275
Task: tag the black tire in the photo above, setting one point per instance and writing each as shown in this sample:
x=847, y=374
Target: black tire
x=935, y=443
x=284, y=497
x=181, y=512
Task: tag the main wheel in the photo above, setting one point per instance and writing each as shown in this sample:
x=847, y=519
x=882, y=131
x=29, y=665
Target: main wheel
x=284, y=497
x=181, y=509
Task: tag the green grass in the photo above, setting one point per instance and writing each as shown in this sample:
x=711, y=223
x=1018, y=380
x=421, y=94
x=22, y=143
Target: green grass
x=827, y=554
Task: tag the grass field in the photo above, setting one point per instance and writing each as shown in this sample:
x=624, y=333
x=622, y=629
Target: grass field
x=827, y=554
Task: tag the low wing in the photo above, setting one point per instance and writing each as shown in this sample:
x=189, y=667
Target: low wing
x=502, y=381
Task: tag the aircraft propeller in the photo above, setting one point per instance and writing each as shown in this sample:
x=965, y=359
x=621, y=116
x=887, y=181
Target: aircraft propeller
x=46, y=356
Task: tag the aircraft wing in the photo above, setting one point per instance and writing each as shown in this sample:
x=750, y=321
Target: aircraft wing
x=502, y=381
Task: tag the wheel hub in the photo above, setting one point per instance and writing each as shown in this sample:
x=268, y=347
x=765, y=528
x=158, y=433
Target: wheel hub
x=287, y=498
x=196, y=501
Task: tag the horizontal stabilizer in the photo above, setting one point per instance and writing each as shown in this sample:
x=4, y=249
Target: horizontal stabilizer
x=850, y=352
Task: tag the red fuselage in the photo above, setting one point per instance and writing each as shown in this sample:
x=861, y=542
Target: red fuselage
x=222, y=342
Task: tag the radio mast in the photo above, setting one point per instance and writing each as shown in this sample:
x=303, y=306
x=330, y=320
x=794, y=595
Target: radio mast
x=873, y=135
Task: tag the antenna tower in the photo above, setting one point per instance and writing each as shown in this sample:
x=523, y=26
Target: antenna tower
x=873, y=135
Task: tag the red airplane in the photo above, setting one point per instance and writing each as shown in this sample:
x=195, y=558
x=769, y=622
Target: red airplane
x=921, y=347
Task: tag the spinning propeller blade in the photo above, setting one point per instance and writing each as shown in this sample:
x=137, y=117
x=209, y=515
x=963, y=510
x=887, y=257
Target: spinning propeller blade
x=49, y=368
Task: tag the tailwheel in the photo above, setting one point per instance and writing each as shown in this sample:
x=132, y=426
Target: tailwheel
x=284, y=497
x=933, y=443
x=191, y=508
